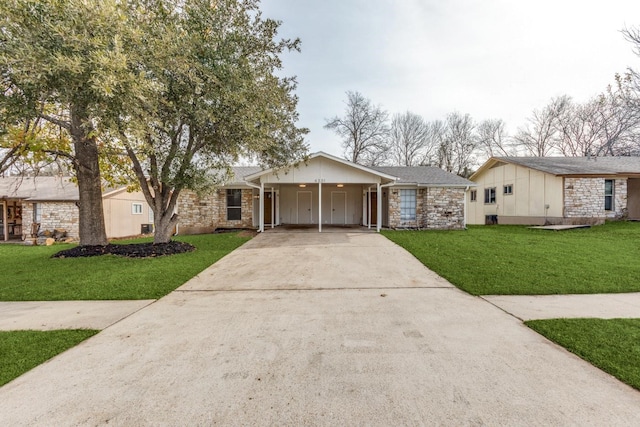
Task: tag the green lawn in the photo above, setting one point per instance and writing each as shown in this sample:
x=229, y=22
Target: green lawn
x=21, y=351
x=30, y=274
x=612, y=345
x=516, y=260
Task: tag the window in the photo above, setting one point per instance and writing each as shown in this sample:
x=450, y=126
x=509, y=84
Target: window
x=234, y=205
x=37, y=212
x=508, y=189
x=136, y=208
x=151, y=216
x=407, y=205
x=608, y=194
x=474, y=195
x=490, y=195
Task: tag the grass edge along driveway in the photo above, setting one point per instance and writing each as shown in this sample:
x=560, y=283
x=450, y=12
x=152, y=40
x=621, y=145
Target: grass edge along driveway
x=612, y=345
x=21, y=351
x=517, y=260
x=30, y=274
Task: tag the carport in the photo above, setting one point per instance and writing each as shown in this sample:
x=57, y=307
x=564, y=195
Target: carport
x=323, y=190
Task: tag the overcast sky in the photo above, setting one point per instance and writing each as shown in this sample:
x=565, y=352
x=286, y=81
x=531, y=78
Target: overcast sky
x=491, y=58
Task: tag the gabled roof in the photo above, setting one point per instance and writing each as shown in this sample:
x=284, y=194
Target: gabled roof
x=330, y=157
x=564, y=166
x=239, y=172
x=424, y=176
x=40, y=188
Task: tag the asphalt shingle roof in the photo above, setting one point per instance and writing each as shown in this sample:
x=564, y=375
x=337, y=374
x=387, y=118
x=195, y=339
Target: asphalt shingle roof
x=423, y=175
x=578, y=165
x=41, y=188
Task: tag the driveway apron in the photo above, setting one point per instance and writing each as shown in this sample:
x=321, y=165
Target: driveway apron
x=318, y=329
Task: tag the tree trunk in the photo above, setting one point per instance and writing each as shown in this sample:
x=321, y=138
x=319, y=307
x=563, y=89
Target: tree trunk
x=90, y=212
x=164, y=224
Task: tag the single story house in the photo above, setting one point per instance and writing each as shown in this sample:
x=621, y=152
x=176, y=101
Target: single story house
x=49, y=202
x=329, y=191
x=555, y=190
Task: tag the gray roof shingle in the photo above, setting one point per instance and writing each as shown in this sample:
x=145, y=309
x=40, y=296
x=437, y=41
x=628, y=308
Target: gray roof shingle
x=423, y=175
x=41, y=188
x=578, y=165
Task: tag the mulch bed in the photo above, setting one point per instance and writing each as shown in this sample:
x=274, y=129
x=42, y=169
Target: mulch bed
x=136, y=250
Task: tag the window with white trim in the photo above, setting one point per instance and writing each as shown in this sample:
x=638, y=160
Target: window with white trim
x=234, y=204
x=508, y=189
x=609, y=189
x=136, y=208
x=408, y=205
x=474, y=195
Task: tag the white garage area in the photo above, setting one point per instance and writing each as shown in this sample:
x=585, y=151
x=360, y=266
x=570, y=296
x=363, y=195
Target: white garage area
x=323, y=190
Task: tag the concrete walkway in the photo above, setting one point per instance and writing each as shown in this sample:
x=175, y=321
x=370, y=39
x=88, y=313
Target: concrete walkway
x=603, y=306
x=318, y=329
x=49, y=315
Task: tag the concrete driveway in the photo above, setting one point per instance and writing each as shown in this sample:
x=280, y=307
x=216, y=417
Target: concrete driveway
x=318, y=329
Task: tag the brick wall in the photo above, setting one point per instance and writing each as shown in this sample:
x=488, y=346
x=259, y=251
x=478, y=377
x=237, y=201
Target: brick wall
x=584, y=198
x=444, y=208
x=436, y=208
x=55, y=216
x=203, y=214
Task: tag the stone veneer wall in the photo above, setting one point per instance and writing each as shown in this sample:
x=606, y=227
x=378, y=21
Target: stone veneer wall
x=584, y=198
x=444, y=208
x=55, y=216
x=436, y=208
x=203, y=214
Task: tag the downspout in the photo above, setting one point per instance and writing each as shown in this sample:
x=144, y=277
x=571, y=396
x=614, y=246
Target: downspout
x=464, y=206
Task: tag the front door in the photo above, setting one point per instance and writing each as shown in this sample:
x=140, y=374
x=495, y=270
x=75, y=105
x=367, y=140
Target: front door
x=338, y=207
x=304, y=207
x=268, y=199
x=374, y=208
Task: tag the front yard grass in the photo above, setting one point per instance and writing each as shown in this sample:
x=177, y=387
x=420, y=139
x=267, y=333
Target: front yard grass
x=612, y=345
x=30, y=274
x=516, y=260
x=21, y=351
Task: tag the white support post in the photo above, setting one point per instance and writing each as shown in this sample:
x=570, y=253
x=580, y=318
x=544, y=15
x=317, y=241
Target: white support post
x=369, y=208
x=320, y=206
x=273, y=207
x=262, y=207
x=379, y=208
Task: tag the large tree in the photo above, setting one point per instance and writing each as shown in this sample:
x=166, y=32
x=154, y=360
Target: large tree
x=410, y=140
x=214, y=96
x=539, y=136
x=68, y=56
x=363, y=128
x=458, y=143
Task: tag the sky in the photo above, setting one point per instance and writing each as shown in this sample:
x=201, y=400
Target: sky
x=492, y=59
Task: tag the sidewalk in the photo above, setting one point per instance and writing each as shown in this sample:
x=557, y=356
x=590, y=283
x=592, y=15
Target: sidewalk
x=49, y=315
x=536, y=307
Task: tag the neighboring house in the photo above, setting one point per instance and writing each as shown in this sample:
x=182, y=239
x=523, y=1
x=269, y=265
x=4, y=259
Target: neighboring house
x=555, y=190
x=48, y=202
x=326, y=190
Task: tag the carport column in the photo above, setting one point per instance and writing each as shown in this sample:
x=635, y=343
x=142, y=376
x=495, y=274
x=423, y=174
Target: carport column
x=369, y=208
x=261, y=207
x=273, y=207
x=319, y=206
x=379, y=209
